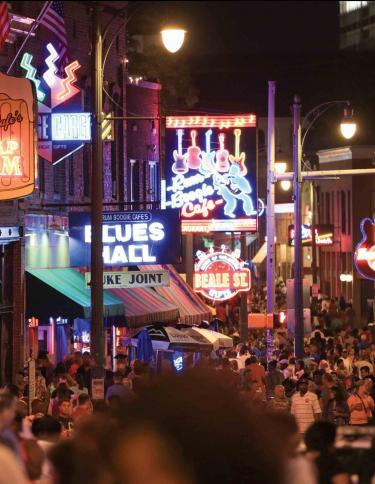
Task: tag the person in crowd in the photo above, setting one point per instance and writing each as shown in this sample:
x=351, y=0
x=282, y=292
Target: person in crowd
x=65, y=414
x=305, y=406
x=84, y=407
x=337, y=410
x=326, y=394
x=257, y=372
x=319, y=441
x=47, y=431
x=8, y=404
x=364, y=361
x=273, y=378
x=118, y=389
x=86, y=370
x=361, y=405
x=280, y=402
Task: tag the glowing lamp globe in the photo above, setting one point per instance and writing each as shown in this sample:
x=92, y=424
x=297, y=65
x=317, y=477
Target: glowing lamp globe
x=348, y=129
x=285, y=185
x=348, y=126
x=173, y=39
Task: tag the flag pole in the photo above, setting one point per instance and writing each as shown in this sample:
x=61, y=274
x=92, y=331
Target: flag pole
x=31, y=31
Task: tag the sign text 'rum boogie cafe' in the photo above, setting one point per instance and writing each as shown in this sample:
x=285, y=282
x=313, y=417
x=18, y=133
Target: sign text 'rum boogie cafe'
x=129, y=238
x=364, y=255
x=220, y=276
x=62, y=126
x=17, y=137
x=211, y=172
x=323, y=235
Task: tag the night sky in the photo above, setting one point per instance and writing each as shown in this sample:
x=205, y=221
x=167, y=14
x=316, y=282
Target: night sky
x=233, y=48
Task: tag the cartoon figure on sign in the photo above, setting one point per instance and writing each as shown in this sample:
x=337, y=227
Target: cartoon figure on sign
x=233, y=187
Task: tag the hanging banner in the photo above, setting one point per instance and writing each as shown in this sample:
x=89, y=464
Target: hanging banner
x=17, y=137
x=129, y=238
x=211, y=172
x=364, y=255
x=62, y=126
x=220, y=276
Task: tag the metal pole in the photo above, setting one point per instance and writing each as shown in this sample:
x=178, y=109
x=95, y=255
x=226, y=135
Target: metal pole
x=314, y=270
x=271, y=199
x=244, y=327
x=97, y=323
x=298, y=261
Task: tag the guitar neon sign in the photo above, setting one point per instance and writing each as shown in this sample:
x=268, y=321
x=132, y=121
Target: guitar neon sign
x=364, y=255
x=220, y=276
x=214, y=186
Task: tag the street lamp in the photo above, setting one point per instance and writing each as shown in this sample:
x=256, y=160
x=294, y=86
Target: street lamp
x=348, y=128
x=173, y=38
x=280, y=169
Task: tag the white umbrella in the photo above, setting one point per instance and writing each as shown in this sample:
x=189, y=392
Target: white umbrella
x=217, y=340
x=167, y=338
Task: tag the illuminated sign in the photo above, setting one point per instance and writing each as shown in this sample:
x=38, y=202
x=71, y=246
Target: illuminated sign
x=17, y=137
x=323, y=235
x=62, y=126
x=212, y=172
x=364, y=255
x=71, y=126
x=220, y=276
x=131, y=279
x=129, y=238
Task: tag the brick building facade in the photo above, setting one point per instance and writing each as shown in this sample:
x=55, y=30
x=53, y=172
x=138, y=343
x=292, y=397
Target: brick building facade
x=66, y=185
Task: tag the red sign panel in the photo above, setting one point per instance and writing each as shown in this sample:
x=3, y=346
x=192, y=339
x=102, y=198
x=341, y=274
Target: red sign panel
x=364, y=255
x=220, y=276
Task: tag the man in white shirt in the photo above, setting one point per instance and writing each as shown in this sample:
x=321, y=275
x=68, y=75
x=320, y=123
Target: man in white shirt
x=305, y=406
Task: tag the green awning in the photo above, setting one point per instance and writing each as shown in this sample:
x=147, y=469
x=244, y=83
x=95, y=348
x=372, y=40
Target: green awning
x=63, y=292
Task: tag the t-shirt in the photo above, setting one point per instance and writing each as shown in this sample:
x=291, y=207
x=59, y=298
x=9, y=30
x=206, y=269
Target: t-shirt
x=304, y=408
x=257, y=374
x=362, y=415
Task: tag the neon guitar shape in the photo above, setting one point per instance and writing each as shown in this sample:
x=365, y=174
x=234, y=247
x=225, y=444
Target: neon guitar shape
x=238, y=157
x=222, y=156
x=194, y=160
x=180, y=165
x=364, y=255
x=208, y=156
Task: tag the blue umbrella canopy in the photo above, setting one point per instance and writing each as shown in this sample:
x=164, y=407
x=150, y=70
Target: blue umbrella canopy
x=145, y=351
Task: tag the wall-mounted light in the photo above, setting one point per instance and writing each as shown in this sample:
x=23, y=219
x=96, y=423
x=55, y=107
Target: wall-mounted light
x=348, y=126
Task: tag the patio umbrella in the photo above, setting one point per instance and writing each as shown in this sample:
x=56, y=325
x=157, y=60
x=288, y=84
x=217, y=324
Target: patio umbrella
x=217, y=340
x=145, y=350
x=167, y=338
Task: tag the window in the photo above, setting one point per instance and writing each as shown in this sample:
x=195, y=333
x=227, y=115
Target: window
x=134, y=180
x=349, y=213
x=59, y=180
x=114, y=170
x=86, y=170
x=71, y=175
x=344, y=216
x=41, y=175
x=328, y=209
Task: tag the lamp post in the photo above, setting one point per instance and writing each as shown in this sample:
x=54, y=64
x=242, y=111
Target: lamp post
x=348, y=129
x=97, y=313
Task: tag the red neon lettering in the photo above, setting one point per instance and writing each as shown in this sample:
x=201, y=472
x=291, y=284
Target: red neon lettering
x=190, y=209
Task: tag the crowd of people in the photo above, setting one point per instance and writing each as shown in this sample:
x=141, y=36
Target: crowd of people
x=242, y=415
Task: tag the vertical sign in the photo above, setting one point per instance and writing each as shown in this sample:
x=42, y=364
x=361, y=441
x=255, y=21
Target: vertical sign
x=17, y=137
x=212, y=172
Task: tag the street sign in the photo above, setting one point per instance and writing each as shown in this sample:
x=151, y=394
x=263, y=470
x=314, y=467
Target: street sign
x=131, y=279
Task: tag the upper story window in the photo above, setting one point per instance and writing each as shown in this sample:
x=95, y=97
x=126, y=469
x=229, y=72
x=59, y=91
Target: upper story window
x=346, y=7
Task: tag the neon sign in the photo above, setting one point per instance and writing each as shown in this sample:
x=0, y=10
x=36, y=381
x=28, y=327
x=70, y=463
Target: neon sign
x=220, y=276
x=62, y=127
x=129, y=238
x=211, y=174
x=364, y=255
x=323, y=235
x=17, y=131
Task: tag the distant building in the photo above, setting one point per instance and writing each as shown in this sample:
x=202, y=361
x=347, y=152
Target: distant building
x=357, y=25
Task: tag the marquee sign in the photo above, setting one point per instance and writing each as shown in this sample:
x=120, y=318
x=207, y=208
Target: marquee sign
x=212, y=172
x=364, y=255
x=62, y=126
x=129, y=238
x=132, y=279
x=220, y=276
x=323, y=235
x=17, y=137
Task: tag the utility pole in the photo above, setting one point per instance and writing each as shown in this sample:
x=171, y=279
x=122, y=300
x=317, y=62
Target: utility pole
x=271, y=199
x=298, y=262
x=97, y=320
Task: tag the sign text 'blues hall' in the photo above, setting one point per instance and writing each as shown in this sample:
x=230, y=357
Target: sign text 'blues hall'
x=129, y=238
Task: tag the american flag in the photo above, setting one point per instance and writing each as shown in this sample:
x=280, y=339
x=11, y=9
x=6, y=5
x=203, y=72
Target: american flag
x=52, y=20
x=4, y=22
